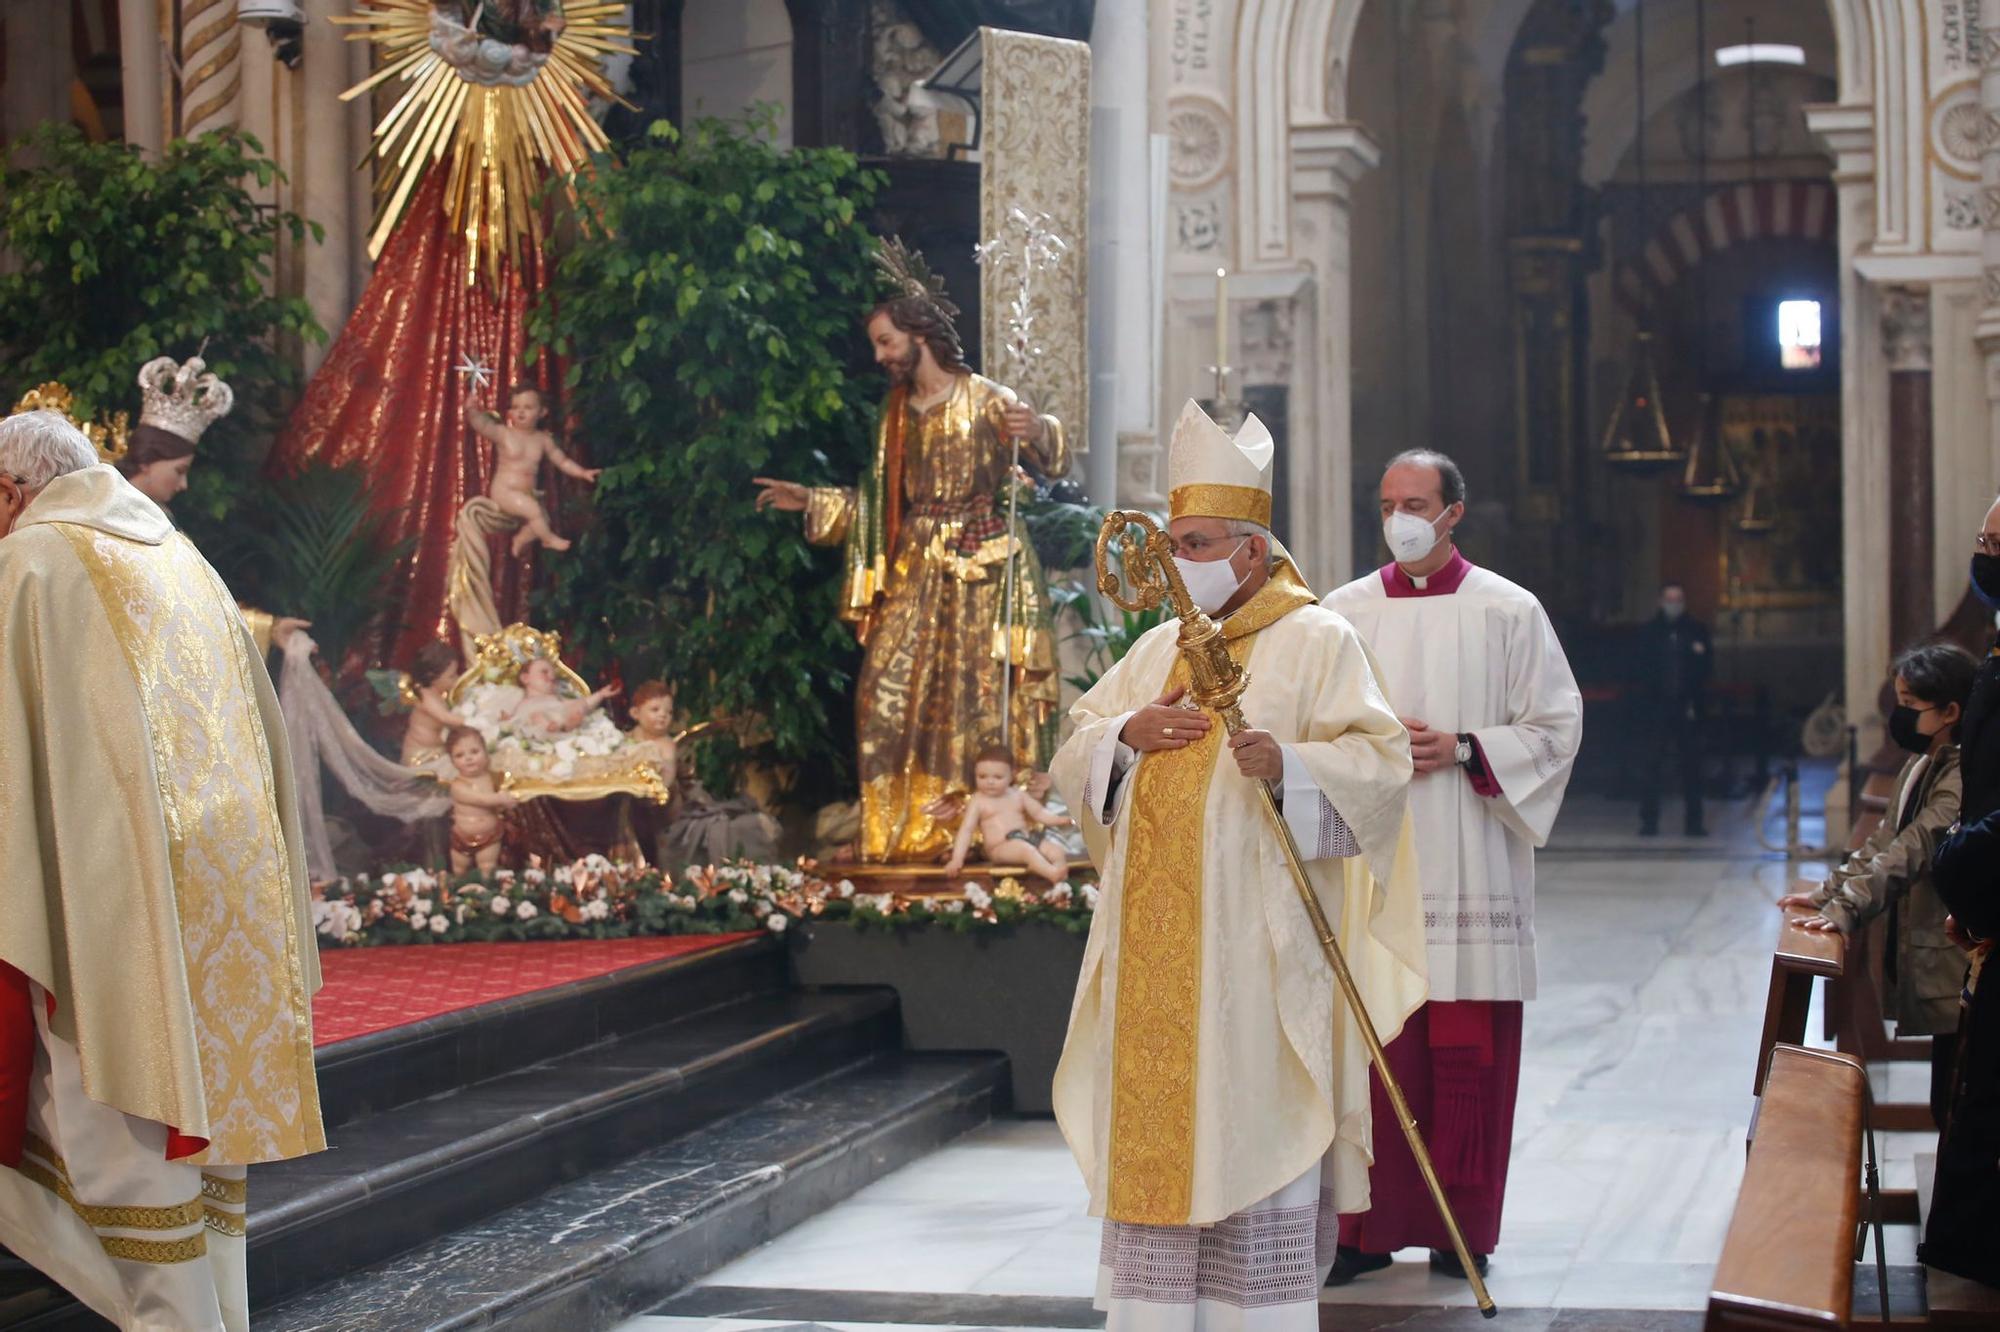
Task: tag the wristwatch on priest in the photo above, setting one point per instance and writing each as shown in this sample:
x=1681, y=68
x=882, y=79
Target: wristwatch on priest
x=1462, y=754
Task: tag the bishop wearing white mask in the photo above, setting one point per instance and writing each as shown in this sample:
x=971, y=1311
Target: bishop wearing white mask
x=1473, y=668
x=1213, y=1087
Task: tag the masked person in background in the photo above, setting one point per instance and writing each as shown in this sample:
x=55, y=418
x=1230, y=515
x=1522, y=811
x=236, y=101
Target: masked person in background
x=1473, y=669
x=1670, y=668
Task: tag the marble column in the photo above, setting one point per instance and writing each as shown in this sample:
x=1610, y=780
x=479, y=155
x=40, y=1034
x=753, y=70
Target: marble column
x=1326, y=162
x=1906, y=339
x=1123, y=266
x=139, y=64
x=211, y=66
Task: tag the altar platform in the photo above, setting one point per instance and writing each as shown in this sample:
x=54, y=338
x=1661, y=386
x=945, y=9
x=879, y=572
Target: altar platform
x=560, y=1135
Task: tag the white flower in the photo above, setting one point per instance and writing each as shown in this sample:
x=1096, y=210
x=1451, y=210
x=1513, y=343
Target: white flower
x=777, y=922
x=501, y=906
x=527, y=911
x=439, y=924
x=507, y=876
x=844, y=889
x=760, y=909
x=563, y=874
x=534, y=874
x=424, y=907
x=598, y=910
x=1090, y=896
x=419, y=921
x=1059, y=895
x=737, y=897
x=979, y=897
x=329, y=919
x=420, y=880
x=874, y=902
x=953, y=908
x=460, y=913
x=595, y=863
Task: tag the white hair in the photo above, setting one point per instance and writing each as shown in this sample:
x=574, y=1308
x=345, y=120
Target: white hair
x=37, y=447
x=1243, y=527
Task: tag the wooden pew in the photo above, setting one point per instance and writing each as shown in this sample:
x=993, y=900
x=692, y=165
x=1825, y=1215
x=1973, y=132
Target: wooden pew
x=1788, y=1259
x=1800, y=955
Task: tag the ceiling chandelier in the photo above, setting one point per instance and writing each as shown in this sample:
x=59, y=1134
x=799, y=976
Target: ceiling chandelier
x=1710, y=476
x=1636, y=437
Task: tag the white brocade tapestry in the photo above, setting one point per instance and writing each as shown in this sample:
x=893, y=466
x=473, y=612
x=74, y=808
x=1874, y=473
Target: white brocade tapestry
x=1035, y=156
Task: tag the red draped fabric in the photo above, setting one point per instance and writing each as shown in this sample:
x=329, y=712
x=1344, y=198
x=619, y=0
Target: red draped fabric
x=388, y=397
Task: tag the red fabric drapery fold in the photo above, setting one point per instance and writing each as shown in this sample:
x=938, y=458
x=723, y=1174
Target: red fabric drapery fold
x=388, y=397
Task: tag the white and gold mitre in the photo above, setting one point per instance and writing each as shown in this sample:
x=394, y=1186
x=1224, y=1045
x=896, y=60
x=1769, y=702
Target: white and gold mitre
x=180, y=398
x=1210, y=475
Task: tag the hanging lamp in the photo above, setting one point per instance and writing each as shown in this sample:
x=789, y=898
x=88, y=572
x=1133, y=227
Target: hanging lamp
x=1636, y=438
x=1711, y=476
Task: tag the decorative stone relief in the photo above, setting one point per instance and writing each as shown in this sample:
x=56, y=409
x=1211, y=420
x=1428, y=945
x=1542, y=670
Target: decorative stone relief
x=1198, y=226
x=1198, y=138
x=899, y=59
x=1958, y=132
x=1962, y=210
x=1992, y=276
x=1906, y=328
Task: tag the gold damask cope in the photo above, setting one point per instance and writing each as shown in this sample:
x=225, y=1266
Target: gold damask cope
x=233, y=877
x=930, y=618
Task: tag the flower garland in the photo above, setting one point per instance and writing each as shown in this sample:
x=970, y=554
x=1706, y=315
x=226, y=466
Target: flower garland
x=596, y=899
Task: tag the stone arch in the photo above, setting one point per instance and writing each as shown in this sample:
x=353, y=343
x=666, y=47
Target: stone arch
x=1804, y=210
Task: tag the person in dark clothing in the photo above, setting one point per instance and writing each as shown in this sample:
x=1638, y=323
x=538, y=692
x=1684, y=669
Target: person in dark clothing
x=1670, y=668
x=1963, y=1232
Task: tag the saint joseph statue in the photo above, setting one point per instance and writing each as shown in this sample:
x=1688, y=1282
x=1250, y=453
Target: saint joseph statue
x=927, y=549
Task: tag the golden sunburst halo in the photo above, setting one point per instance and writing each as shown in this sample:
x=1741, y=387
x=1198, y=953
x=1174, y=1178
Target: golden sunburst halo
x=502, y=141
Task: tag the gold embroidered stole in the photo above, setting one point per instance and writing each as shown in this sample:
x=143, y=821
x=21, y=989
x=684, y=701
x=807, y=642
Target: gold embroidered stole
x=232, y=871
x=1157, y=1009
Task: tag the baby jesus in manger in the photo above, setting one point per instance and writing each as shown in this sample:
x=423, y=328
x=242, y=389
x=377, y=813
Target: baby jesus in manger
x=542, y=712
x=1011, y=823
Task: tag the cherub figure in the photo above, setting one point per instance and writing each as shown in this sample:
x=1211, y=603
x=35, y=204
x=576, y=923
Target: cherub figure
x=477, y=803
x=432, y=675
x=652, y=732
x=519, y=445
x=1001, y=813
x=544, y=713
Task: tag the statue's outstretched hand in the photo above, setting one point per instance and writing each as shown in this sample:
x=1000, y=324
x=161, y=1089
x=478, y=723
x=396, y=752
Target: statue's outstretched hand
x=789, y=496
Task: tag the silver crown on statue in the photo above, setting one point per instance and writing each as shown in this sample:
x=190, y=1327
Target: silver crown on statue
x=181, y=397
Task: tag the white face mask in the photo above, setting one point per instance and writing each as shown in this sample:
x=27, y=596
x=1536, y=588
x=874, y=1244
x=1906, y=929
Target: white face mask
x=1410, y=538
x=1211, y=582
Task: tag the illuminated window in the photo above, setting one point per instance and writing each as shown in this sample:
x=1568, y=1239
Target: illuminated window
x=1761, y=53
x=1798, y=335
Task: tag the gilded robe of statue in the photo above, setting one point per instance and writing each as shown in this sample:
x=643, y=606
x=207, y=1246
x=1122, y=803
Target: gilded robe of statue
x=927, y=551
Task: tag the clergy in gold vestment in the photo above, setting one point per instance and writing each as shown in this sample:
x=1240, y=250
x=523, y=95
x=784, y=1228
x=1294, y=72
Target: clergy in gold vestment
x=156, y=954
x=1213, y=1087
x=927, y=545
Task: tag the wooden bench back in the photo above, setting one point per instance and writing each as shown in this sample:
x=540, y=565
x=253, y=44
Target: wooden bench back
x=1788, y=1259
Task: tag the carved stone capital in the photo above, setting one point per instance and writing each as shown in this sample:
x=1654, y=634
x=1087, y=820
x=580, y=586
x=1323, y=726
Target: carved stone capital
x=1906, y=328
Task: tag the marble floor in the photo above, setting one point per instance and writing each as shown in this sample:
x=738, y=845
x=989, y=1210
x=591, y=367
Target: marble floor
x=1629, y=1136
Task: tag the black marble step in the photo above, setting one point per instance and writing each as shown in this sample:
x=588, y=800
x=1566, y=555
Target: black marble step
x=587, y=1255
x=401, y=1177
x=389, y=1068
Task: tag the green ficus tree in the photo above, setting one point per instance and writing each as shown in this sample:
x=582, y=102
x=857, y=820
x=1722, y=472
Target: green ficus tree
x=707, y=312
x=118, y=258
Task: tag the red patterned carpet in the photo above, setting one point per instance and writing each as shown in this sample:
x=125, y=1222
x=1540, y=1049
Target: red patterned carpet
x=371, y=989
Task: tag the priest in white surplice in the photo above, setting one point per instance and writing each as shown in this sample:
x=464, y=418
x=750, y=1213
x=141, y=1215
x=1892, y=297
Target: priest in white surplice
x=1474, y=670
x=1213, y=1087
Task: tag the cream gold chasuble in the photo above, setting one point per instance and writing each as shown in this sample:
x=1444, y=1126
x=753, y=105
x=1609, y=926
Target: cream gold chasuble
x=1209, y=1061
x=926, y=570
x=151, y=874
